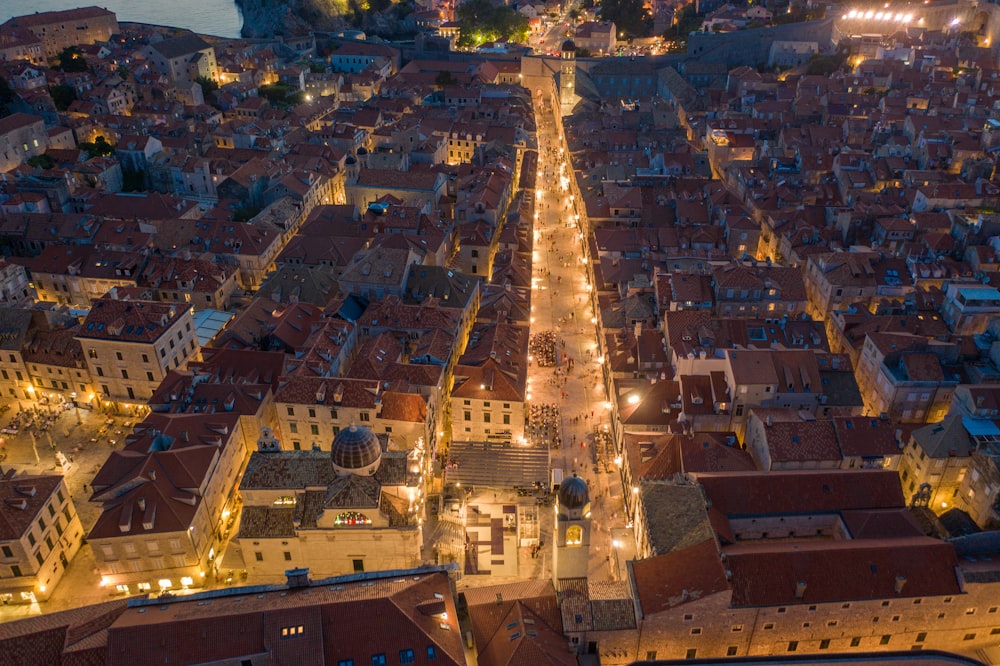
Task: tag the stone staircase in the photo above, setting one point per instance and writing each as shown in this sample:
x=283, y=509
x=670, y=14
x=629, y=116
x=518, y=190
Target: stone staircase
x=497, y=465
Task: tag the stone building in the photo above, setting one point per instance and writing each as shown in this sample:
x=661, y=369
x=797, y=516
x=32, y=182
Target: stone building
x=765, y=563
x=72, y=27
x=40, y=533
x=355, y=508
x=130, y=346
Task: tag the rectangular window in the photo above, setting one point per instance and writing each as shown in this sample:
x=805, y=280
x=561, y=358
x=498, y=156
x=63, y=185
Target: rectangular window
x=365, y=416
x=7, y=552
x=378, y=660
x=124, y=374
x=118, y=355
x=692, y=653
x=259, y=556
x=885, y=639
x=314, y=429
x=793, y=646
x=359, y=566
x=289, y=632
x=824, y=644
x=149, y=376
x=288, y=556
x=431, y=653
x=293, y=427
x=406, y=656
x=312, y=413
x=345, y=662
x=290, y=410
x=922, y=636
x=15, y=571
x=145, y=358
x=967, y=637
x=856, y=641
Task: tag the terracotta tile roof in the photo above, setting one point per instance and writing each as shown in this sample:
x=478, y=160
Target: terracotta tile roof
x=390, y=313
x=659, y=457
x=866, y=436
x=666, y=581
x=46, y=638
x=329, y=391
x=777, y=492
x=131, y=321
x=407, y=606
x=769, y=574
x=792, y=439
x=21, y=500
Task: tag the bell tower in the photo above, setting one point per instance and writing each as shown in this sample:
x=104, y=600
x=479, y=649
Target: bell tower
x=571, y=551
x=567, y=77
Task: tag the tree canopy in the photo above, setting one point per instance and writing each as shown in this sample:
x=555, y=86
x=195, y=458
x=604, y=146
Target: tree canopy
x=72, y=60
x=62, y=96
x=98, y=147
x=629, y=16
x=482, y=21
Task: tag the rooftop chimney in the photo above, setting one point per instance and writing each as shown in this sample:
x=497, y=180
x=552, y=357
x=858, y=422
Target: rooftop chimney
x=900, y=582
x=297, y=578
x=800, y=589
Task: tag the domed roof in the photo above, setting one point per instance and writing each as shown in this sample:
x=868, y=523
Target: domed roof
x=568, y=45
x=573, y=493
x=356, y=447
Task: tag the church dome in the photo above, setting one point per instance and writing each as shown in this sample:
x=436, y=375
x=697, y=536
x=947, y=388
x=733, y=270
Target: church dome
x=568, y=45
x=356, y=450
x=573, y=493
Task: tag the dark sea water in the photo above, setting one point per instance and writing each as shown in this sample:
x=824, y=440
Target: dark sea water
x=211, y=17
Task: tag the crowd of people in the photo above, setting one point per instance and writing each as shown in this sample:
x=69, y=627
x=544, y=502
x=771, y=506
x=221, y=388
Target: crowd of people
x=544, y=348
x=543, y=425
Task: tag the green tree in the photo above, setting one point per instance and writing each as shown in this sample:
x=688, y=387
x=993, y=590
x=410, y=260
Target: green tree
x=99, y=147
x=71, y=60
x=7, y=97
x=825, y=65
x=62, y=96
x=629, y=16
x=208, y=86
x=41, y=162
x=482, y=21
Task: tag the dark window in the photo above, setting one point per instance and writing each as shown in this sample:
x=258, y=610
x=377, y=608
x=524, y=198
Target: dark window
x=967, y=637
x=15, y=571
x=731, y=651
x=406, y=656
x=359, y=565
x=431, y=653
x=378, y=660
x=288, y=556
x=856, y=641
x=824, y=644
x=692, y=653
x=7, y=552
x=259, y=556
x=922, y=636
x=885, y=639
x=793, y=646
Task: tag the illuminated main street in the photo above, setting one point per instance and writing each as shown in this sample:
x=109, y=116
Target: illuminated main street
x=562, y=301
